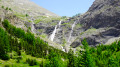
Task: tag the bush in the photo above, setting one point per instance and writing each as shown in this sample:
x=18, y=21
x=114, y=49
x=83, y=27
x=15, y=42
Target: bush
x=5, y=57
x=6, y=66
x=10, y=9
x=2, y=6
x=19, y=53
x=27, y=15
x=18, y=61
x=41, y=64
x=31, y=62
x=7, y=8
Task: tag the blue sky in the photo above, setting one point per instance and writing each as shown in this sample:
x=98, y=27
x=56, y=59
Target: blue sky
x=65, y=7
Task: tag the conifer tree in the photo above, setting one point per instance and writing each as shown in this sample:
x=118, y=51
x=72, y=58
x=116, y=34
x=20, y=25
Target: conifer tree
x=86, y=57
x=4, y=44
x=71, y=58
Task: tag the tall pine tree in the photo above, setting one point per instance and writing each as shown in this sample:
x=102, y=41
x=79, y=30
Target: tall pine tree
x=4, y=44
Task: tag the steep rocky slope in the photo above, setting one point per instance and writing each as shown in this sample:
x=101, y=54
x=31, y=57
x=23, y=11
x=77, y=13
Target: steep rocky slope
x=26, y=7
x=104, y=17
x=41, y=22
x=103, y=13
x=99, y=25
x=15, y=11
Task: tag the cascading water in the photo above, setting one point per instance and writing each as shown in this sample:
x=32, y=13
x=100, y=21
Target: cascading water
x=60, y=23
x=53, y=33
x=71, y=31
x=63, y=48
x=52, y=36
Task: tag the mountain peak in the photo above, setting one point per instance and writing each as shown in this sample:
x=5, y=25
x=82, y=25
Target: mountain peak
x=26, y=6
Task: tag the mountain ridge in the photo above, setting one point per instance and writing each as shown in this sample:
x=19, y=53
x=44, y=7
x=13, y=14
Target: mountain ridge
x=21, y=6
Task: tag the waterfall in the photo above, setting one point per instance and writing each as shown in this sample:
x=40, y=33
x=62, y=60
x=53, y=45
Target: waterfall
x=52, y=36
x=60, y=23
x=63, y=48
x=71, y=31
x=53, y=33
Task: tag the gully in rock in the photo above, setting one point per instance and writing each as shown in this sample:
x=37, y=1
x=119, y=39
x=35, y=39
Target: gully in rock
x=32, y=27
x=52, y=36
x=53, y=33
x=71, y=31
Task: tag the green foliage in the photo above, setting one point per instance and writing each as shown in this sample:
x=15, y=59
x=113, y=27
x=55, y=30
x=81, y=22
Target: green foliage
x=29, y=37
x=63, y=17
x=27, y=15
x=6, y=8
x=4, y=45
x=31, y=62
x=18, y=59
x=7, y=66
x=43, y=36
x=54, y=60
x=71, y=62
x=38, y=20
x=86, y=57
x=10, y=9
x=91, y=30
x=77, y=15
x=107, y=55
x=22, y=16
x=113, y=61
x=2, y=7
x=45, y=19
x=41, y=64
x=78, y=26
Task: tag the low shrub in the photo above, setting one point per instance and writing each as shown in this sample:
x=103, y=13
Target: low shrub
x=31, y=62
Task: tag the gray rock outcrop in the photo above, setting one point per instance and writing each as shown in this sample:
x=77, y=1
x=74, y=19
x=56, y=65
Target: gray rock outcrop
x=102, y=14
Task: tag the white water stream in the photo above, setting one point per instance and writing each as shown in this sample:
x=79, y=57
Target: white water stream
x=60, y=24
x=52, y=36
x=63, y=48
x=71, y=31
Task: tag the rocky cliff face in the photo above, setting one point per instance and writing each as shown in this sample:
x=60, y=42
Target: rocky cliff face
x=99, y=25
x=65, y=32
x=104, y=17
x=103, y=13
